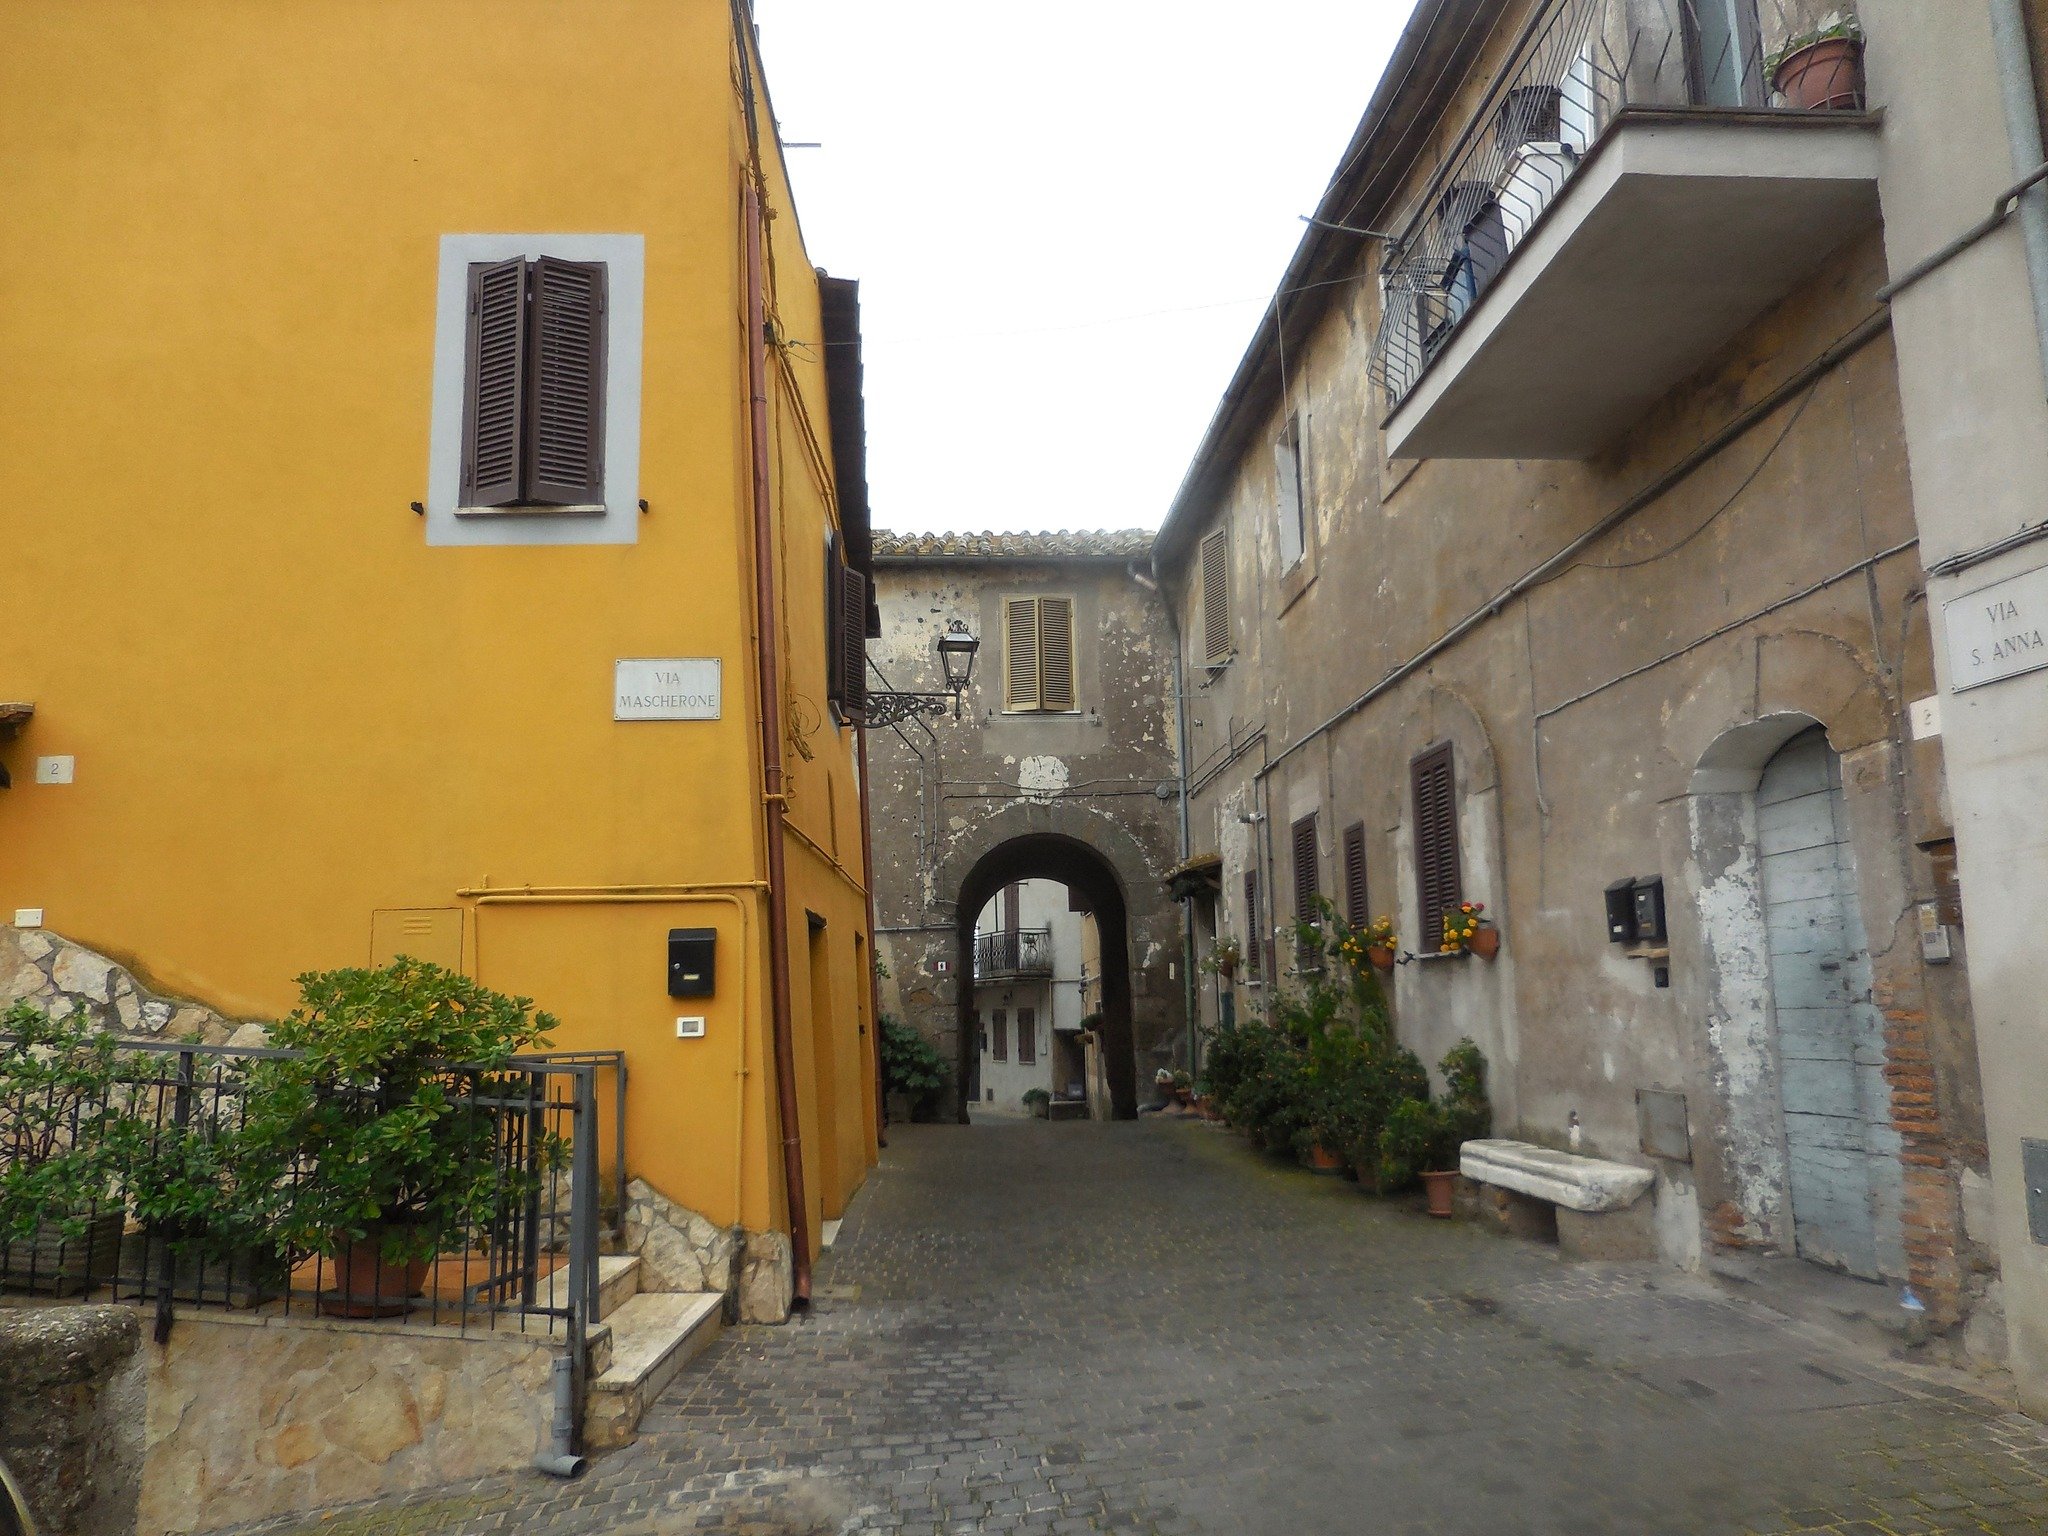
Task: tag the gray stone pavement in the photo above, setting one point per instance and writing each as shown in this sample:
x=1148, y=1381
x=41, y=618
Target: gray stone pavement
x=1151, y=1327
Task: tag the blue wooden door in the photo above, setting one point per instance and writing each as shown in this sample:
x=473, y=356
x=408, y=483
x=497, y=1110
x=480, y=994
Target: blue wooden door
x=1841, y=1150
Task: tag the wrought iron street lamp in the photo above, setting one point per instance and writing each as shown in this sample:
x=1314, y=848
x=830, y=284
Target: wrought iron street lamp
x=957, y=648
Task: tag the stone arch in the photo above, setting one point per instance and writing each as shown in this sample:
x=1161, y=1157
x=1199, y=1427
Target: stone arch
x=1093, y=857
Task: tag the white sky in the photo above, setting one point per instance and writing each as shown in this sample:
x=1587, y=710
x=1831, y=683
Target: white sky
x=1066, y=217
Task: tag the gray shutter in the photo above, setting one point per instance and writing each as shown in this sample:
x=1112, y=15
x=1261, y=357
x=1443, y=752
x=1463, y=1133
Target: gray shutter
x=494, y=387
x=1056, y=653
x=1215, y=597
x=565, y=437
x=1020, y=653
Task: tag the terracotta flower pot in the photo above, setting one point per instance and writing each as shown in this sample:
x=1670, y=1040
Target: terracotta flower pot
x=1321, y=1159
x=1485, y=943
x=366, y=1284
x=1183, y=1095
x=1440, y=1187
x=1826, y=76
x=1381, y=957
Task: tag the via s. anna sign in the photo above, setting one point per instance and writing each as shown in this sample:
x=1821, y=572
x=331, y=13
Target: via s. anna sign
x=668, y=688
x=1998, y=631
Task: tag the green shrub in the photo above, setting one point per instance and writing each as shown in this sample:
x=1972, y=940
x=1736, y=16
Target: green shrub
x=912, y=1065
x=1422, y=1135
x=1033, y=1097
x=60, y=1123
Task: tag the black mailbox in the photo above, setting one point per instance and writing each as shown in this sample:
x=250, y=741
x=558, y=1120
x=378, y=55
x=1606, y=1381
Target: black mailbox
x=692, y=962
x=1621, y=912
x=1649, y=905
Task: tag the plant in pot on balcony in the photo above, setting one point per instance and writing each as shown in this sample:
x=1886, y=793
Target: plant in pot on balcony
x=367, y=1145
x=60, y=1218
x=1821, y=70
x=1468, y=930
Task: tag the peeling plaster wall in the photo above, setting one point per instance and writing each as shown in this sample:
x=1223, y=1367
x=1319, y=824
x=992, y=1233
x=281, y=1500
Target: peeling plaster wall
x=945, y=792
x=1578, y=715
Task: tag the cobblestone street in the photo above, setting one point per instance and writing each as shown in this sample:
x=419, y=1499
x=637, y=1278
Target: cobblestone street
x=1075, y=1327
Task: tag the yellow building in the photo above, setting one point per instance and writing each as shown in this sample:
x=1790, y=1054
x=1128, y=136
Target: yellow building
x=382, y=507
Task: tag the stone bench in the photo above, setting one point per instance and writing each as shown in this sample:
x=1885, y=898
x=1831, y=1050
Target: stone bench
x=1598, y=1206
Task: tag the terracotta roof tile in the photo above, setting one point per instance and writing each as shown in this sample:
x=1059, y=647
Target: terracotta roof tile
x=1095, y=543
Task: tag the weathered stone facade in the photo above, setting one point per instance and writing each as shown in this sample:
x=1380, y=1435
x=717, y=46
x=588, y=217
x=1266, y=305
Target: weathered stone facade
x=1747, y=572
x=1085, y=796
x=71, y=1406
x=48, y=970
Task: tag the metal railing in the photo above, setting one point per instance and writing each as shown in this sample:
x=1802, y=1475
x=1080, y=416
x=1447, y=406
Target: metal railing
x=527, y=1142
x=1013, y=952
x=1577, y=68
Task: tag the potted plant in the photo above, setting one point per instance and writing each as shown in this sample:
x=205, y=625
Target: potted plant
x=1822, y=70
x=60, y=1220
x=1422, y=1136
x=1376, y=943
x=361, y=1146
x=1183, y=1087
x=1470, y=931
x=912, y=1068
x=1039, y=1102
x=1223, y=958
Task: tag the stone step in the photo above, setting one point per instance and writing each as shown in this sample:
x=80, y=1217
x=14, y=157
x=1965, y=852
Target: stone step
x=653, y=1336
x=618, y=1281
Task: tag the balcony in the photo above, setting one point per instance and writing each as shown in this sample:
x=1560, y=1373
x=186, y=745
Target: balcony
x=1630, y=196
x=1011, y=954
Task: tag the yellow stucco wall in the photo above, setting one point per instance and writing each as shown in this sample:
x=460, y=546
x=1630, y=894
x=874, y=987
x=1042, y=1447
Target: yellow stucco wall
x=217, y=314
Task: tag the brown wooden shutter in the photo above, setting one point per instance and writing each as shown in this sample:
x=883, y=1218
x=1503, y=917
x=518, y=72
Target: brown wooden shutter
x=852, y=640
x=1020, y=653
x=999, y=1050
x=1027, y=1035
x=494, y=389
x=1215, y=597
x=1252, y=947
x=1055, y=653
x=1438, y=885
x=1354, y=875
x=1307, y=869
x=565, y=436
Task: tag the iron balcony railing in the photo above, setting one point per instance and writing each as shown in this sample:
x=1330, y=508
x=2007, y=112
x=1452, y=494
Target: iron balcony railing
x=1577, y=68
x=1014, y=952
x=536, y=1133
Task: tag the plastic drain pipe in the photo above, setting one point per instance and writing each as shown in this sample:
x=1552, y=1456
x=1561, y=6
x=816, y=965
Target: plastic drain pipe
x=560, y=1458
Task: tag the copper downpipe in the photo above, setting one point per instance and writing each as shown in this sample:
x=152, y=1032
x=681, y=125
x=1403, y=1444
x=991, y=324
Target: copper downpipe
x=774, y=793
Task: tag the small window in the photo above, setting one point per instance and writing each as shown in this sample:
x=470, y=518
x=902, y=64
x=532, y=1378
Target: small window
x=1216, y=646
x=1354, y=875
x=1293, y=507
x=1027, y=1036
x=1252, y=947
x=1438, y=882
x=1038, y=655
x=1000, y=1049
x=534, y=376
x=1308, y=877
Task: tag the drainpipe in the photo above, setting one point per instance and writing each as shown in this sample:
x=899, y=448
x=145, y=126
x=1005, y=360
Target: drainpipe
x=774, y=794
x=867, y=864
x=2023, y=129
x=1154, y=584
x=560, y=1458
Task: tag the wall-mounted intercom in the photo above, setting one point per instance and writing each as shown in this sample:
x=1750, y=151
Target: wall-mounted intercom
x=692, y=962
x=1635, y=911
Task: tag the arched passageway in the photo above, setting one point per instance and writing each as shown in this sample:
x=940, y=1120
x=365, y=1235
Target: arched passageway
x=1096, y=890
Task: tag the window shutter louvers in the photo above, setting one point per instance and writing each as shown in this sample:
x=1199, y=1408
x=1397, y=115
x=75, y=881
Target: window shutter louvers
x=1027, y=1035
x=1307, y=874
x=1215, y=597
x=1055, y=653
x=1000, y=1050
x=853, y=640
x=565, y=438
x=1437, y=876
x=1354, y=875
x=494, y=416
x=1020, y=653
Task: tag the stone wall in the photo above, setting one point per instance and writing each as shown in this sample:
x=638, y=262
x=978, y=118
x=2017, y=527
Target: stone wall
x=40, y=967
x=71, y=1396
x=254, y=1417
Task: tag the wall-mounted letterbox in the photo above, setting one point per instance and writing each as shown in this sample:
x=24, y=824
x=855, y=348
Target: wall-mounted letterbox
x=1649, y=904
x=1621, y=912
x=692, y=962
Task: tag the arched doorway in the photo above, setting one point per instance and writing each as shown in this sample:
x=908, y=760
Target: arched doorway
x=1096, y=890
x=1841, y=1153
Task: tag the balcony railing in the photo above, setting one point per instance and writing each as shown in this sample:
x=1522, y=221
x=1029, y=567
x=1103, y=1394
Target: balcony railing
x=1015, y=952
x=1580, y=65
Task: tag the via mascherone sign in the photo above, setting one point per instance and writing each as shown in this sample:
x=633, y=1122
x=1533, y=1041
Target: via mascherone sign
x=667, y=688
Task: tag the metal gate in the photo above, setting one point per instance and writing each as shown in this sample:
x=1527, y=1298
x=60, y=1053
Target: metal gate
x=1842, y=1153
